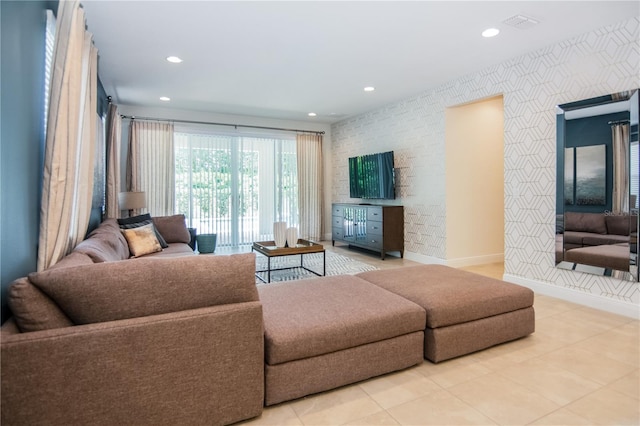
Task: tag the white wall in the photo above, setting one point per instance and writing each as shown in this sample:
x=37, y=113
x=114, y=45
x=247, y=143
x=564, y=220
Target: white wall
x=475, y=182
x=175, y=114
x=600, y=62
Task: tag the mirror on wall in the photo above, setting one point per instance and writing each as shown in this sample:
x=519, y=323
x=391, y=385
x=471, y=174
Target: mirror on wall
x=597, y=185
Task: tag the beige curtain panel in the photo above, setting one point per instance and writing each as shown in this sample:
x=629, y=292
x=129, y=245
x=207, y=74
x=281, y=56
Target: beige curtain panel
x=70, y=140
x=114, y=136
x=310, y=190
x=150, y=165
x=620, y=137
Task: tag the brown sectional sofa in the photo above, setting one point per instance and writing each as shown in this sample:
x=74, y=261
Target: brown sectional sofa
x=101, y=339
x=177, y=339
x=168, y=342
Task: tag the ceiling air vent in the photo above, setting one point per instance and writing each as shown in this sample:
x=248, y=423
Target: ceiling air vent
x=520, y=21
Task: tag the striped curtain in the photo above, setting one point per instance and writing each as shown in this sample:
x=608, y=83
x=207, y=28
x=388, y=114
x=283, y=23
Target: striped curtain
x=67, y=184
x=114, y=126
x=310, y=191
x=620, y=138
x=150, y=165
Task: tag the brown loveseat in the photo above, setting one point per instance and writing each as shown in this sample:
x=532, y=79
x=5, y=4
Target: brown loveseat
x=594, y=229
x=598, y=239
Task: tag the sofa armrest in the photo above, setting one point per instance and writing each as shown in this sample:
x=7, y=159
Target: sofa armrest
x=201, y=366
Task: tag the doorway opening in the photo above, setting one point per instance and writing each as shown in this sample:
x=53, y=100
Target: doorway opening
x=474, y=137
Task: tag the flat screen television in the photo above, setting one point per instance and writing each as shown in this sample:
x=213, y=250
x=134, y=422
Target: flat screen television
x=372, y=176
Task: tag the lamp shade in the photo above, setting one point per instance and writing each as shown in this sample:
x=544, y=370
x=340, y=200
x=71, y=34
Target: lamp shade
x=131, y=200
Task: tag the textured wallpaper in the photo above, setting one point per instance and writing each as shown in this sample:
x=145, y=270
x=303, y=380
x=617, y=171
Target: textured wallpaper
x=594, y=64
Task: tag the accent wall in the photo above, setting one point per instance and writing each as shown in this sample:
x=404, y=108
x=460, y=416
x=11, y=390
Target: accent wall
x=596, y=63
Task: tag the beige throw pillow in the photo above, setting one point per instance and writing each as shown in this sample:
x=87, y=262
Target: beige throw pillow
x=142, y=240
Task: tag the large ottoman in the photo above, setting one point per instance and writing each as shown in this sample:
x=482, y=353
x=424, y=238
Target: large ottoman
x=466, y=312
x=327, y=332
x=609, y=256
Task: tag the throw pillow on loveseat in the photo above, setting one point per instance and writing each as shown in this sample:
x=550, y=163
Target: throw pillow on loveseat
x=142, y=220
x=169, y=231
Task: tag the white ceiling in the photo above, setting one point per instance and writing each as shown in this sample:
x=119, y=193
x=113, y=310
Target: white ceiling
x=286, y=59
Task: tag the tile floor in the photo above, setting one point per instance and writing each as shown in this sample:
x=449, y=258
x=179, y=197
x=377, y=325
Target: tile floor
x=580, y=367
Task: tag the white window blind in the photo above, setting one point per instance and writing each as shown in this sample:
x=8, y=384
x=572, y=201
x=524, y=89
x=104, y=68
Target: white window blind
x=50, y=39
x=235, y=186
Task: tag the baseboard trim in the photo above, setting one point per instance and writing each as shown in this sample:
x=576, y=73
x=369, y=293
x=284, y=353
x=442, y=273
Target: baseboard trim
x=475, y=260
x=614, y=306
x=421, y=258
x=455, y=263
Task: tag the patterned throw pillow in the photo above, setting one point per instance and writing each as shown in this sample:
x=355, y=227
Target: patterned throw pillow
x=143, y=219
x=142, y=240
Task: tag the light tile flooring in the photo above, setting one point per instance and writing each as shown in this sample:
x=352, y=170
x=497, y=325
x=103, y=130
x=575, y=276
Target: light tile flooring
x=580, y=367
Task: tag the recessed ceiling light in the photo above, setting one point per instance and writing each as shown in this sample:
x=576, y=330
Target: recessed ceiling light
x=490, y=32
x=174, y=59
x=369, y=89
x=312, y=114
x=164, y=98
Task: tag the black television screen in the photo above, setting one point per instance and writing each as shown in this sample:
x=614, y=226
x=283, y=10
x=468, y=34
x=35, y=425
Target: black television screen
x=372, y=176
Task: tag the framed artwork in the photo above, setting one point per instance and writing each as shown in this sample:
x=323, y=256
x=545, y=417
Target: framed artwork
x=591, y=175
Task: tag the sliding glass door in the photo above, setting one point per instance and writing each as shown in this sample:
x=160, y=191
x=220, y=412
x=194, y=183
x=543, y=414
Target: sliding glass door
x=236, y=186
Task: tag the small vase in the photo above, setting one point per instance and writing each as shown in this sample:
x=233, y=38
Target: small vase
x=292, y=237
x=280, y=233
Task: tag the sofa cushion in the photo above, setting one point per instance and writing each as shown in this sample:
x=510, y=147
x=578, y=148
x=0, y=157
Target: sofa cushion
x=576, y=237
x=585, y=222
x=105, y=243
x=451, y=296
x=173, y=250
x=317, y=316
x=173, y=228
x=142, y=240
x=141, y=287
x=32, y=309
x=75, y=258
x=621, y=224
x=597, y=239
x=141, y=220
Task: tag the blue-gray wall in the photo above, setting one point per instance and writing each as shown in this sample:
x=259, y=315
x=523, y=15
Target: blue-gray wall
x=21, y=144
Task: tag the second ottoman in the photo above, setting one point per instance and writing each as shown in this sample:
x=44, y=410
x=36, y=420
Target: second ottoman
x=328, y=332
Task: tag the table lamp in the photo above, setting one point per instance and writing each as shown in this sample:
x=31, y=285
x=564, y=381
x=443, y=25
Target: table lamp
x=131, y=201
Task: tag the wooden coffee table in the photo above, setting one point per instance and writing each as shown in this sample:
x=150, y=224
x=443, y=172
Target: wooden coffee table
x=269, y=249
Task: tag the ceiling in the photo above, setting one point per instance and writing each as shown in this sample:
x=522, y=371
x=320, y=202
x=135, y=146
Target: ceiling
x=285, y=59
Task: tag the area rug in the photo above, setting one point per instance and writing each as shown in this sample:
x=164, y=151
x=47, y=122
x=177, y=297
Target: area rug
x=336, y=265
